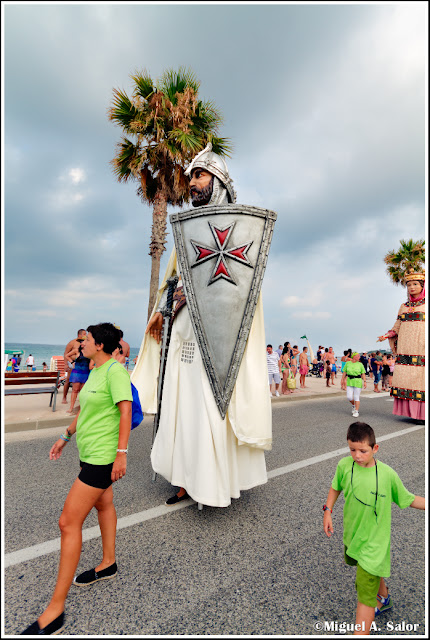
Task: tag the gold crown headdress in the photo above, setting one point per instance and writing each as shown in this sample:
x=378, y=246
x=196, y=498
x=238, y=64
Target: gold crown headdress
x=414, y=275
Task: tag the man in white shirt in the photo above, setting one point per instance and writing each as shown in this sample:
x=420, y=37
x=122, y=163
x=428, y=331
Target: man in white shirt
x=29, y=362
x=274, y=369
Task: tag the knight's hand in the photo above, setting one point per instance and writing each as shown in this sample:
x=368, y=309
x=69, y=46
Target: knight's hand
x=155, y=326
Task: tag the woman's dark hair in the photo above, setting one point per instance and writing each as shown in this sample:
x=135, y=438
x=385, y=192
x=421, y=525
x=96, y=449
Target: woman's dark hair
x=361, y=432
x=286, y=348
x=107, y=334
x=349, y=353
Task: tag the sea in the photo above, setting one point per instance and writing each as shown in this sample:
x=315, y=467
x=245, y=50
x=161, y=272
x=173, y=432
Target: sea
x=44, y=352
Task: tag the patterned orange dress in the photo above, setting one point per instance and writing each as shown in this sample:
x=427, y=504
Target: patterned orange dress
x=407, y=342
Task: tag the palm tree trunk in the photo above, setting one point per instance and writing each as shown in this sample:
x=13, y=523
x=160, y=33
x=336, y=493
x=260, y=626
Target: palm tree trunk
x=156, y=246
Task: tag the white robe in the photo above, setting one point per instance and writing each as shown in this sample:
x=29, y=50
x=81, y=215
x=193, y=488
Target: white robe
x=212, y=458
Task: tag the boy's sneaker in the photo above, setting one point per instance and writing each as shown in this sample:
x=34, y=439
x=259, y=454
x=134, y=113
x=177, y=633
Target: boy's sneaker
x=277, y=394
x=386, y=603
x=355, y=414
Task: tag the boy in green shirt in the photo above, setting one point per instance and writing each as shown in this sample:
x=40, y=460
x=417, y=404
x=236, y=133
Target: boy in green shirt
x=369, y=489
x=353, y=380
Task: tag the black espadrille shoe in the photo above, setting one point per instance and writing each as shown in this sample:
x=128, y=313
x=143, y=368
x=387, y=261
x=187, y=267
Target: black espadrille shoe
x=51, y=629
x=89, y=577
x=175, y=499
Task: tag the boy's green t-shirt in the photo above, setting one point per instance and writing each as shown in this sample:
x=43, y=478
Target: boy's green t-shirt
x=354, y=369
x=367, y=538
x=97, y=429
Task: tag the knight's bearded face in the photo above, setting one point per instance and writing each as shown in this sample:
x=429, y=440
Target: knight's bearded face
x=201, y=187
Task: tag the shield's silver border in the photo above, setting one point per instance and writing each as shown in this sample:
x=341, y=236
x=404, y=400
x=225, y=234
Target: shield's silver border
x=222, y=396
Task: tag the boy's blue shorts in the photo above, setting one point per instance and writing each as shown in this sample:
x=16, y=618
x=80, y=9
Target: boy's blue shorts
x=366, y=584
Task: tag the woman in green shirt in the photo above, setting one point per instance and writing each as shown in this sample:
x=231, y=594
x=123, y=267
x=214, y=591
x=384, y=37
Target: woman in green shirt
x=102, y=429
x=354, y=377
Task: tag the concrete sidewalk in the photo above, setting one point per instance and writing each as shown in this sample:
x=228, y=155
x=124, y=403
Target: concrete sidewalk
x=22, y=413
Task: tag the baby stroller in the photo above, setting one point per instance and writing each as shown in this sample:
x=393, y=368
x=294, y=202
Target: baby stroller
x=316, y=369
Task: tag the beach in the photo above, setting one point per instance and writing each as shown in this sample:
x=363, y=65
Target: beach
x=44, y=352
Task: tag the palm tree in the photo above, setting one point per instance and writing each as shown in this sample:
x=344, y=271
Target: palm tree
x=411, y=255
x=168, y=125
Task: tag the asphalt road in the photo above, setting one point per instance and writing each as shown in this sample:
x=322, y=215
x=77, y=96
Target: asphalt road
x=262, y=566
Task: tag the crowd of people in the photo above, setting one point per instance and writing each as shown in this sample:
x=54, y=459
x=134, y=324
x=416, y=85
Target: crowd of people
x=355, y=369
x=285, y=362
x=14, y=363
x=283, y=366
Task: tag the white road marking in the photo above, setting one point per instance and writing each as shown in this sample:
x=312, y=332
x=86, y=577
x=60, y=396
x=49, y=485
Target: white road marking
x=381, y=394
x=37, y=550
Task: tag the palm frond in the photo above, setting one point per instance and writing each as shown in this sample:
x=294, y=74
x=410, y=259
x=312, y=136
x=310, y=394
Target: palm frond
x=222, y=146
x=126, y=160
x=122, y=110
x=148, y=185
x=144, y=86
x=395, y=275
x=209, y=114
x=187, y=141
x=173, y=82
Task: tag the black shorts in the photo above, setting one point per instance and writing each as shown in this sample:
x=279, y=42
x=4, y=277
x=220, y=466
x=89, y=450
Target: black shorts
x=327, y=374
x=96, y=475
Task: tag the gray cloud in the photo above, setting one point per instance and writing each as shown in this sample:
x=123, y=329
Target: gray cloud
x=325, y=105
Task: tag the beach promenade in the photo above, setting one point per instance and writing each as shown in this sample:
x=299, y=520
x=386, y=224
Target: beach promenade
x=22, y=413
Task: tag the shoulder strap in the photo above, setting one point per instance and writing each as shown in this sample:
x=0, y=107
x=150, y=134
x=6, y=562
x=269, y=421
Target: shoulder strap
x=111, y=365
x=107, y=378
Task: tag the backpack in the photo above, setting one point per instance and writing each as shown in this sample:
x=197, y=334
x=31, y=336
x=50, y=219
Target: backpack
x=136, y=408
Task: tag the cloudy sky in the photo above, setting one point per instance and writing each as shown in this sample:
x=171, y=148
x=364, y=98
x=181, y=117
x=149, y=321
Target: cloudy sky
x=325, y=106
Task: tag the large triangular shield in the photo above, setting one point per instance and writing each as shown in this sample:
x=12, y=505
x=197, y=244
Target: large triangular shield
x=222, y=254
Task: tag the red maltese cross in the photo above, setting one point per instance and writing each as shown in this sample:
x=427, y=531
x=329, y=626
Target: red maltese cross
x=221, y=253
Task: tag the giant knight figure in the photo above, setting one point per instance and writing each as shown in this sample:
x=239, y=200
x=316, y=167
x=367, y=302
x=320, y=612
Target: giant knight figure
x=215, y=419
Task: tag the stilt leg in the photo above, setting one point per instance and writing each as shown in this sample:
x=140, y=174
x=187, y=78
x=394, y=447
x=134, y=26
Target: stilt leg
x=200, y=506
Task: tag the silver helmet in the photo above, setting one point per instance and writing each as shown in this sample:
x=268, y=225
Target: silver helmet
x=216, y=165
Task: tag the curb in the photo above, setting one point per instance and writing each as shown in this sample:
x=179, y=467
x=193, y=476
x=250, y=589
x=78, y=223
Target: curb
x=34, y=425
x=309, y=396
x=315, y=396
